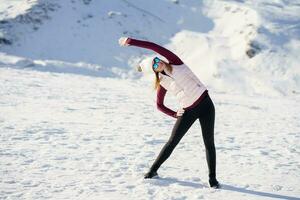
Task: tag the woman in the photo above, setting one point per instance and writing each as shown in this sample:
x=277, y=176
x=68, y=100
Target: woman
x=195, y=103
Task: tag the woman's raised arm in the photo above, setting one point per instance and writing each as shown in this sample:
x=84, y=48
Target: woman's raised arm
x=170, y=56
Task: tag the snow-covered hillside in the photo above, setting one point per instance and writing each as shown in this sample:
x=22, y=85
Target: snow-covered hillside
x=77, y=121
x=88, y=31
x=252, y=48
x=234, y=46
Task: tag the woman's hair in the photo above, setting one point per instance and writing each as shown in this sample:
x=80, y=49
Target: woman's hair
x=157, y=80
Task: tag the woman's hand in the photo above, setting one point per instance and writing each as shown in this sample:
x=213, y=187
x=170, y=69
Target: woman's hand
x=123, y=41
x=180, y=112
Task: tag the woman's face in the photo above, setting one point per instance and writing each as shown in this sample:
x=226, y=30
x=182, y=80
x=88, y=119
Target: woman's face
x=161, y=66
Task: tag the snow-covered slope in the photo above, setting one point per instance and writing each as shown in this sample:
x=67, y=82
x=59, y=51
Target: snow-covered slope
x=252, y=48
x=14, y=8
x=233, y=46
x=88, y=31
x=78, y=122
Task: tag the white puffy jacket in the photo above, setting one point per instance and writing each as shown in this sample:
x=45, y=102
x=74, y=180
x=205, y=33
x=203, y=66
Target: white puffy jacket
x=182, y=83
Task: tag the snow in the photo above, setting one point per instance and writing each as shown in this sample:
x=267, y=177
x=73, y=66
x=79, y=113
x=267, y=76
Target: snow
x=13, y=8
x=213, y=37
x=75, y=136
x=78, y=122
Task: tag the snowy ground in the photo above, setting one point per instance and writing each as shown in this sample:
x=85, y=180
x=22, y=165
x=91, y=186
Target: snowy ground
x=78, y=122
x=67, y=136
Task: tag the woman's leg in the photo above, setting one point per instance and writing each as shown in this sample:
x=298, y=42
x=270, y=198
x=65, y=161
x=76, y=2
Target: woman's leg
x=181, y=126
x=207, y=122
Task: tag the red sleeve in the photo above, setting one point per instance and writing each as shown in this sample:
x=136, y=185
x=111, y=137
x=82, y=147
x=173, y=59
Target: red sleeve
x=172, y=58
x=161, y=92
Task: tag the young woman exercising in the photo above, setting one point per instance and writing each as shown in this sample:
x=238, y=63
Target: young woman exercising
x=174, y=76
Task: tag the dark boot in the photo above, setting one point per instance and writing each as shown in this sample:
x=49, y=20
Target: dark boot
x=150, y=174
x=214, y=183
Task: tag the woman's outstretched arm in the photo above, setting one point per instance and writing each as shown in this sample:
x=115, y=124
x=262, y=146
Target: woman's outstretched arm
x=161, y=92
x=172, y=58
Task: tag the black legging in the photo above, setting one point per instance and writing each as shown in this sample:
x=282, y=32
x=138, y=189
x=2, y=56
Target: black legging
x=205, y=112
